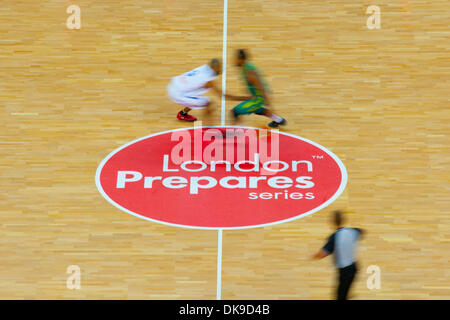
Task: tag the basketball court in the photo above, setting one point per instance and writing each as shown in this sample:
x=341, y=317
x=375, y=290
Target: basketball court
x=375, y=98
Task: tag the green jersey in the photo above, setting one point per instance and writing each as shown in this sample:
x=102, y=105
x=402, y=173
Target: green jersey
x=254, y=91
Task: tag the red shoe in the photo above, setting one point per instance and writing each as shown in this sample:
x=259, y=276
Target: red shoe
x=186, y=117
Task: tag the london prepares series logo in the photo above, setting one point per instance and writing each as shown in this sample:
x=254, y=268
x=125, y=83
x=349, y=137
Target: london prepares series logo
x=221, y=177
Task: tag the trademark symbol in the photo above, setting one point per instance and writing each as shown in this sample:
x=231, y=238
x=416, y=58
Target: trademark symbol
x=317, y=157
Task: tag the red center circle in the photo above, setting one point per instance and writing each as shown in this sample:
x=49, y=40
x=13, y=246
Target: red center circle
x=222, y=178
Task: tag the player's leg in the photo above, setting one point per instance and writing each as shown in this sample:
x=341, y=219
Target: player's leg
x=256, y=105
x=188, y=102
x=183, y=115
x=192, y=102
x=246, y=107
x=234, y=116
x=277, y=120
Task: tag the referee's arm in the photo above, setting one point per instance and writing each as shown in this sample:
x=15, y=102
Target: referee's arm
x=321, y=254
x=362, y=232
x=327, y=249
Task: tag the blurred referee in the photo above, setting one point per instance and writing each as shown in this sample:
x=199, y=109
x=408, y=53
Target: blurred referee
x=343, y=244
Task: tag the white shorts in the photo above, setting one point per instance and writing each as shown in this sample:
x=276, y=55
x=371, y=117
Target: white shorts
x=190, y=100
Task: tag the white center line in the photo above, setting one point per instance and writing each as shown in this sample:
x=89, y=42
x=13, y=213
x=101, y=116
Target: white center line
x=224, y=60
x=222, y=122
x=219, y=265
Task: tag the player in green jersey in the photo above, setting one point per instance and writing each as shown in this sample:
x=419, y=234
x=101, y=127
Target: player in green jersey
x=259, y=92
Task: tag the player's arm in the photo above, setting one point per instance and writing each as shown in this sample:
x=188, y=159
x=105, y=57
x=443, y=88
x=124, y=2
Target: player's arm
x=218, y=91
x=254, y=79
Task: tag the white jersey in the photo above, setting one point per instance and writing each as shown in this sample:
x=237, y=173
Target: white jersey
x=194, y=81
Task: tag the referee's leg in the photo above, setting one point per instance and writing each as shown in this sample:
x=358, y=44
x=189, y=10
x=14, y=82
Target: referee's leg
x=346, y=277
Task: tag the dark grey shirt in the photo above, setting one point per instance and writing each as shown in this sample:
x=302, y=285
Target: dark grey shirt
x=343, y=244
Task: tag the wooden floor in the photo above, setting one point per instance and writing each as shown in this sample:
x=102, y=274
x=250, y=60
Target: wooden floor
x=379, y=99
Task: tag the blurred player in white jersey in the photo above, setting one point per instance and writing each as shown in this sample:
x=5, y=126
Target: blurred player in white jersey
x=188, y=89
